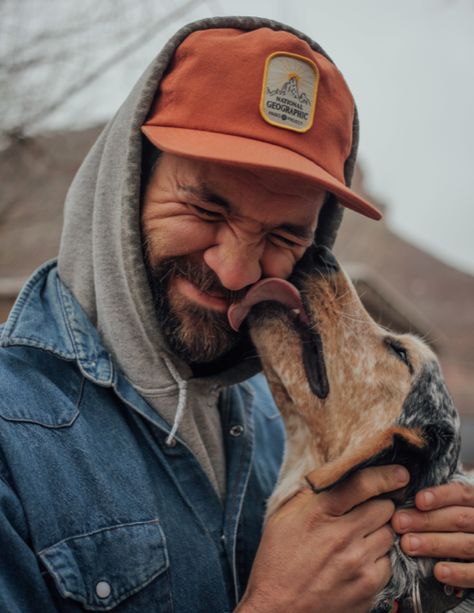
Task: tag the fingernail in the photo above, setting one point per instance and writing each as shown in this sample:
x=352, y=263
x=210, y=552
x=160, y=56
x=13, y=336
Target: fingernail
x=413, y=543
x=428, y=498
x=401, y=474
x=404, y=520
x=444, y=571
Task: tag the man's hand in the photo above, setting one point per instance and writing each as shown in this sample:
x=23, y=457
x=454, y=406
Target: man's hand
x=327, y=552
x=442, y=526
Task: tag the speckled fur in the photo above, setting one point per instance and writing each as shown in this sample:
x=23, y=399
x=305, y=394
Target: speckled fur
x=373, y=398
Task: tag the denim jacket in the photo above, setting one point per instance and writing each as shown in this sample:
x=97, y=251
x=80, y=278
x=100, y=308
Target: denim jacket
x=98, y=513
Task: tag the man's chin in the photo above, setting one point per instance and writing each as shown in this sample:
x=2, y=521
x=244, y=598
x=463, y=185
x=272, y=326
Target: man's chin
x=196, y=334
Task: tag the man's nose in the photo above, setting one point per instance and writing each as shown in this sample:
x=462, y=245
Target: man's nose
x=236, y=261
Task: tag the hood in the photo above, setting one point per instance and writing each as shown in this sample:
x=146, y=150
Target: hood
x=100, y=257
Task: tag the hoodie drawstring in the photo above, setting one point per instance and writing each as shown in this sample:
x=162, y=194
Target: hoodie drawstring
x=182, y=394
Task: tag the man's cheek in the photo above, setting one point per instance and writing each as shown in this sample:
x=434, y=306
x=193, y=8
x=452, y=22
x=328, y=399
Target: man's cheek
x=178, y=237
x=280, y=262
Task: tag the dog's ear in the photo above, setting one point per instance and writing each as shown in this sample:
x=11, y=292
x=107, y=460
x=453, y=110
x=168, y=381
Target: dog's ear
x=313, y=362
x=425, y=440
x=396, y=445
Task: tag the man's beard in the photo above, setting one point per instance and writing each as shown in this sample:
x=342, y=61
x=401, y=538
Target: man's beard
x=195, y=333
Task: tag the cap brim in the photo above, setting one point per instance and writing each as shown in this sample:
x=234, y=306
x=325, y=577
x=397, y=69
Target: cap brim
x=246, y=152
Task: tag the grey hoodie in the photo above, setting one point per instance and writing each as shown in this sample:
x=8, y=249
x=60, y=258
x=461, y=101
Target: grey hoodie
x=101, y=261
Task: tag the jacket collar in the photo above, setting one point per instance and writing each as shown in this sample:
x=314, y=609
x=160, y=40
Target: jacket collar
x=47, y=316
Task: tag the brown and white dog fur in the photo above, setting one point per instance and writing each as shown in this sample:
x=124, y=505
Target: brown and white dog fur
x=352, y=394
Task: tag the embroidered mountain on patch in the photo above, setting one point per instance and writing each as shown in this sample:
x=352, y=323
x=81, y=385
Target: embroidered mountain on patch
x=290, y=88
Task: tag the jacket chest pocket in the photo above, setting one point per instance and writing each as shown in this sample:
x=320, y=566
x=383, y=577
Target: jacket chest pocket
x=102, y=569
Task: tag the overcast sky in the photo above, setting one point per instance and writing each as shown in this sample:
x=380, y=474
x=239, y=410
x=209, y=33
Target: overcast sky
x=410, y=66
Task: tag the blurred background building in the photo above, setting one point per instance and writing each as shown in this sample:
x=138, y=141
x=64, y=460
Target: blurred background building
x=63, y=71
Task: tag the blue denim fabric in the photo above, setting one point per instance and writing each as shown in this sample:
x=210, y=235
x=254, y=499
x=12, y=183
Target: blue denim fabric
x=97, y=513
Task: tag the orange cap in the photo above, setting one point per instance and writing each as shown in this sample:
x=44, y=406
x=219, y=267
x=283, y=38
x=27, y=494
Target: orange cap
x=259, y=98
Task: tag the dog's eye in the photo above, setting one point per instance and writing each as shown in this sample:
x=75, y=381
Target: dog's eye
x=399, y=350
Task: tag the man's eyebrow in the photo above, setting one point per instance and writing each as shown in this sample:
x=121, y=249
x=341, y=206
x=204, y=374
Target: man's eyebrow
x=205, y=194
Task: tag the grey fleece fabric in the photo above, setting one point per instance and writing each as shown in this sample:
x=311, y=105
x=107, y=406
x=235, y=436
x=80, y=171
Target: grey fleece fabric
x=101, y=261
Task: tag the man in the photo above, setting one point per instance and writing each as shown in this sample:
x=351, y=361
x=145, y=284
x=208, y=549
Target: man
x=138, y=443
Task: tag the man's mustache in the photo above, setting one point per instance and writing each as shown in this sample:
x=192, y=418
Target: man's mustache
x=199, y=274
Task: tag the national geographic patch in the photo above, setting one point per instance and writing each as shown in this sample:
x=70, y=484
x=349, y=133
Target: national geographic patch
x=289, y=91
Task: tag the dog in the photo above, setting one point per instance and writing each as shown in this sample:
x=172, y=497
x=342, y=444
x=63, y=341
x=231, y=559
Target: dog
x=352, y=394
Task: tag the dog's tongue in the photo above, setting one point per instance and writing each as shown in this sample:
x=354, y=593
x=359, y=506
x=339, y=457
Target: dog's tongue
x=272, y=288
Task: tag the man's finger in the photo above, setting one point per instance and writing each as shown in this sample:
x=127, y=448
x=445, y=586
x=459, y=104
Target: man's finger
x=459, y=574
x=384, y=569
x=451, y=519
x=454, y=493
x=380, y=542
x=293, y=506
x=361, y=486
x=370, y=516
x=439, y=545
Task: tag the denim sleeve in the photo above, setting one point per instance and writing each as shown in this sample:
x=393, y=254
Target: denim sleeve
x=22, y=587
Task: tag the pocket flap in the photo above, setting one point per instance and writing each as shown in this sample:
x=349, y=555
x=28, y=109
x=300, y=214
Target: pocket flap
x=102, y=568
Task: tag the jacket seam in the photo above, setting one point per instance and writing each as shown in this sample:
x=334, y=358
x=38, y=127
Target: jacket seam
x=80, y=355
x=25, y=341
x=98, y=531
x=22, y=420
x=247, y=415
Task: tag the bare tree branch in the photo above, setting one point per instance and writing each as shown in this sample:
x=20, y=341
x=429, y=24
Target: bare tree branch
x=117, y=57
x=64, y=48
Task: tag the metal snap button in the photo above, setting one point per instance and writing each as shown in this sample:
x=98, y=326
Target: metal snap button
x=448, y=590
x=103, y=589
x=236, y=430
